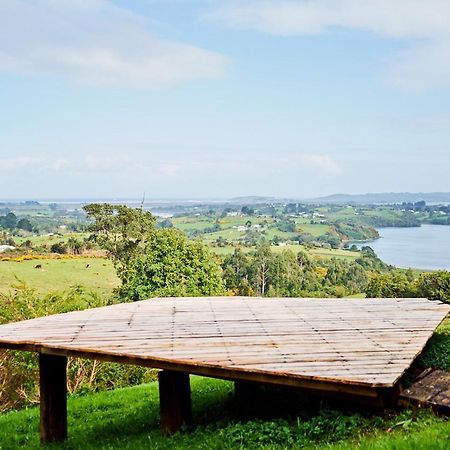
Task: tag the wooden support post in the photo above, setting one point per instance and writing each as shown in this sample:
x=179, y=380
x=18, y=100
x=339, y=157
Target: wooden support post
x=174, y=400
x=53, y=391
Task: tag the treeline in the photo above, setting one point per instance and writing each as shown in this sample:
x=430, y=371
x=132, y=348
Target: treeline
x=286, y=274
x=433, y=285
x=11, y=222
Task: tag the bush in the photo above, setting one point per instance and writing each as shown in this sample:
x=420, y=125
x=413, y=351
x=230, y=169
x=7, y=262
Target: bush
x=434, y=286
x=173, y=266
x=390, y=285
x=19, y=370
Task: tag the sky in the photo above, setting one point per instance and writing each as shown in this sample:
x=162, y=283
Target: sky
x=223, y=98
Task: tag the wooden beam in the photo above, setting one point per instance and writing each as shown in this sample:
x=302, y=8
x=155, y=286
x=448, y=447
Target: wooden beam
x=174, y=400
x=53, y=398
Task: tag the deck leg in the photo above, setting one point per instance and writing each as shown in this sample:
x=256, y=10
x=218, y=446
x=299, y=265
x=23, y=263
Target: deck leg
x=53, y=392
x=174, y=400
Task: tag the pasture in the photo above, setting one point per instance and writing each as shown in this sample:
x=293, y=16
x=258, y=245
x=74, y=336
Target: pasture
x=315, y=252
x=54, y=274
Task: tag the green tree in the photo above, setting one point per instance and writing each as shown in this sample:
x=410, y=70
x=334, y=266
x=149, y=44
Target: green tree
x=9, y=221
x=261, y=267
x=74, y=246
x=166, y=223
x=237, y=273
x=171, y=265
x=356, y=279
x=434, y=286
x=152, y=262
x=285, y=275
x=390, y=285
x=123, y=232
x=59, y=247
x=24, y=224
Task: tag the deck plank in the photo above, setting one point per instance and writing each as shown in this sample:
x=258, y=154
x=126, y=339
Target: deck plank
x=356, y=342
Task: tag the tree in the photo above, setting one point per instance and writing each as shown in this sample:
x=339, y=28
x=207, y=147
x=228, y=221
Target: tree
x=166, y=223
x=356, y=279
x=285, y=275
x=74, y=246
x=390, y=285
x=237, y=272
x=173, y=266
x=59, y=247
x=9, y=221
x=434, y=286
x=247, y=211
x=261, y=264
x=122, y=231
x=24, y=224
x=152, y=262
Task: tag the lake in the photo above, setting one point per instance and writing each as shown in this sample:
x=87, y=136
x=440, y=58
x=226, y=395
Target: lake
x=425, y=247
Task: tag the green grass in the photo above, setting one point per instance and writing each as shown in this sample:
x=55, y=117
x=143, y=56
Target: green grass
x=128, y=419
x=437, y=353
x=335, y=253
x=59, y=274
x=315, y=229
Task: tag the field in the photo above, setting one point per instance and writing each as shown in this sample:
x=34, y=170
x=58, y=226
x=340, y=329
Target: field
x=317, y=252
x=128, y=419
x=95, y=274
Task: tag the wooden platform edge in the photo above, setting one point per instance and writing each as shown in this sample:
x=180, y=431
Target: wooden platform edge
x=419, y=352
x=209, y=370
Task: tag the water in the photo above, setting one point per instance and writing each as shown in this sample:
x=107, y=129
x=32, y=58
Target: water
x=427, y=247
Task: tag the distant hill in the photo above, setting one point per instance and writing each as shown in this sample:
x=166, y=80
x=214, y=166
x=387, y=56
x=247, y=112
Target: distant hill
x=253, y=200
x=384, y=198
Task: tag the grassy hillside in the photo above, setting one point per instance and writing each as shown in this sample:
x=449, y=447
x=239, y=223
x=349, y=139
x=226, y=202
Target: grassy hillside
x=318, y=252
x=59, y=274
x=128, y=419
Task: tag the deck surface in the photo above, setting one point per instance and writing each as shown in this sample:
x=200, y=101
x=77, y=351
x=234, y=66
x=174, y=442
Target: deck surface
x=306, y=342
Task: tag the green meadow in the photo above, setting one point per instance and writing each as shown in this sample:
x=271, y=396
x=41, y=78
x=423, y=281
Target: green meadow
x=96, y=274
x=129, y=419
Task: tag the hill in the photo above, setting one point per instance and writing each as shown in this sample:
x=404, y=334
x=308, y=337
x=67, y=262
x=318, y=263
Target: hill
x=384, y=198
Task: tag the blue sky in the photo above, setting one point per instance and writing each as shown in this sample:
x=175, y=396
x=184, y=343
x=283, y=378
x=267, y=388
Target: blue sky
x=198, y=98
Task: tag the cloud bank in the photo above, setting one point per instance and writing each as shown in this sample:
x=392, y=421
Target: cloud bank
x=425, y=24
x=94, y=42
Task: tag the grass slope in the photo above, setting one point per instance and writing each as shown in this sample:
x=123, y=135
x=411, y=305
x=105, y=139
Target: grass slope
x=128, y=419
x=59, y=274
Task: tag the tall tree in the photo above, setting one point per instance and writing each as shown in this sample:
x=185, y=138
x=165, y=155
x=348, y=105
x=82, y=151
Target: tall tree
x=122, y=231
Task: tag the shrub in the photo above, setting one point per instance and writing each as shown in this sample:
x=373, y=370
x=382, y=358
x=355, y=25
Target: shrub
x=434, y=286
x=390, y=285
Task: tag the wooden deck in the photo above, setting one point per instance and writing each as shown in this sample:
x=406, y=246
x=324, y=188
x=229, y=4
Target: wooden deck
x=346, y=345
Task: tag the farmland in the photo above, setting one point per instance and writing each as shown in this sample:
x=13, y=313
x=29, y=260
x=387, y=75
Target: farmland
x=57, y=274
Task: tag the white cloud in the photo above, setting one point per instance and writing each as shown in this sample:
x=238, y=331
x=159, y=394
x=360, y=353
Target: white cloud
x=170, y=172
x=265, y=163
x=425, y=65
x=95, y=42
x=17, y=163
